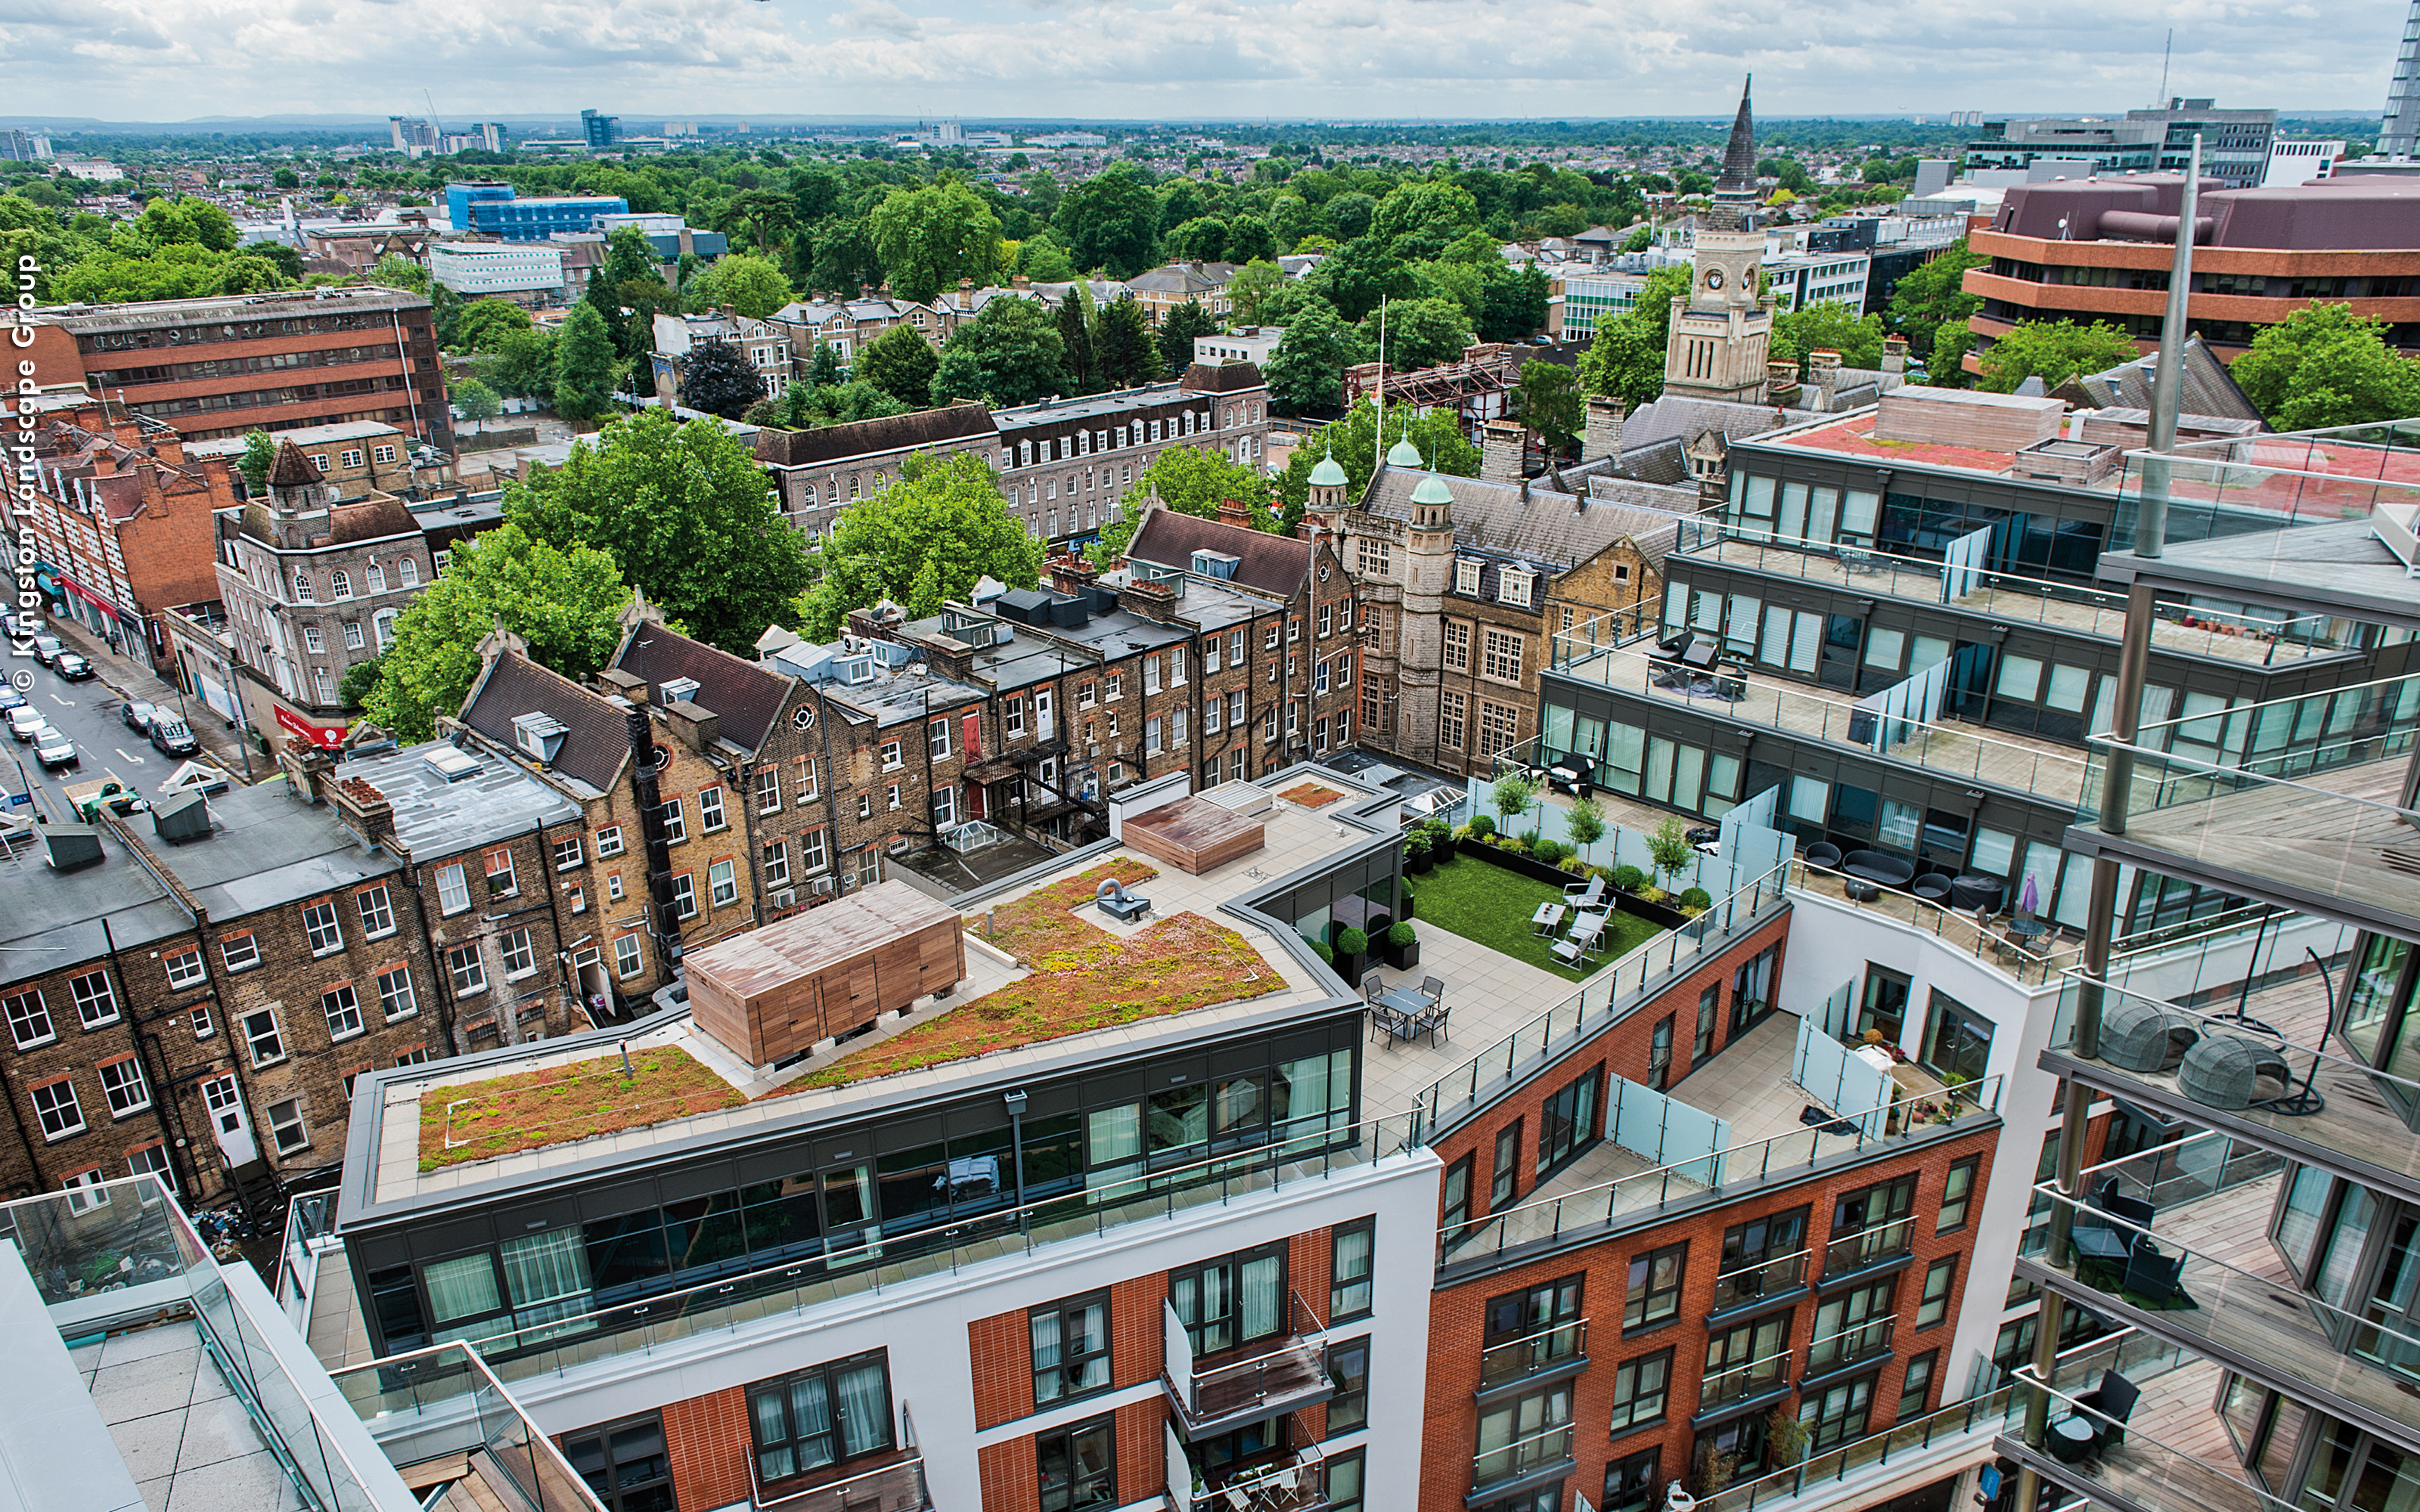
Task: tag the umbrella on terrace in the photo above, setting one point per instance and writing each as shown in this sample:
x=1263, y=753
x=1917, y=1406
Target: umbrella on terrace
x=2029, y=899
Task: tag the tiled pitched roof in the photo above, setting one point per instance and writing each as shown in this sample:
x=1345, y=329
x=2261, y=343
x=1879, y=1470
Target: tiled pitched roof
x=1221, y=378
x=1272, y=564
x=962, y=421
x=745, y=697
x=372, y=519
x=2205, y=387
x=1553, y=530
x=596, y=741
x=290, y=469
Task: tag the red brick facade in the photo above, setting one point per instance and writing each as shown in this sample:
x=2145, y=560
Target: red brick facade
x=706, y=1439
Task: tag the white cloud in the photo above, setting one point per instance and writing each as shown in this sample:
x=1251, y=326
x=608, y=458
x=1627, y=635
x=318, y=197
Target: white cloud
x=178, y=59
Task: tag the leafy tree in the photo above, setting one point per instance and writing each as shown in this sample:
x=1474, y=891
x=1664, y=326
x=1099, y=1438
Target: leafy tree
x=484, y=324
x=900, y=362
x=1356, y=442
x=931, y=238
x=1515, y=795
x=1358, y=276
x=1177, y=329
x=1419, y=333
x=285, y=179
x=1947, y=367
x=752, y=285
x=1009, y=354
x=1416, y=220
x=844, y=258
x=562, y=602
x=1075, y=316
x=523, y=364
x=1110, y=221
x=1307, y=369
x=180, y=218
x=259, y=451
x=683, y=509
x=1584, y=820
x=628, y=259
x=1933, y=293
x=1823, y=327
x=396, y=271
x=1042, y=259
x=477, y=401
x=1513, y=305
x=823, y=369
x=1627, y=356
x=1250, y=288
x=584, y=365
x=360, y=680
x=718, y=379
x=841, y=403
x=949, y=521
x=2324, y=366
x=1641, y=238
x=1123, y=344
x=2053, y=350
x=1549, y=401
x=1249, y=239
x=1670, y=850
x=1204, y=239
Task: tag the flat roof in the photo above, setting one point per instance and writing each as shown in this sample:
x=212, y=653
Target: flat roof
x=344, y=430
x=1851, y=436
x=95, y=319
x=389, y=1111
x=437, y=816
x=2340, y=567
x=54, y=918
x=265, y=849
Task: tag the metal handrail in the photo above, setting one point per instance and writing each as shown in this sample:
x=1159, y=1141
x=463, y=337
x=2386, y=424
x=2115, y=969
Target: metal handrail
x=1709, y=1397
x=1239, y=1162
x=1731, y=1498
x=1316, y=1333
x=1960, y=1094
x=2234, y=709
x=2030, y=1376
x=1798, y=1255
x=1887, y=1324
x=1577, y=1330
x=479, y=1364
x=757, y=1485
x=2231, y=1023
x=2142, y=753
x=1564, y=1431
x=1907, y=1241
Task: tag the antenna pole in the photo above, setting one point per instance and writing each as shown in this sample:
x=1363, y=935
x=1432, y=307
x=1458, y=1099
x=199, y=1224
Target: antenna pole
x=1378, y=437
x=2161, y=102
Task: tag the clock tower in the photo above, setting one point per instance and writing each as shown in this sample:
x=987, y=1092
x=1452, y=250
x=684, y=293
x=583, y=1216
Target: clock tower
x=1721, y=329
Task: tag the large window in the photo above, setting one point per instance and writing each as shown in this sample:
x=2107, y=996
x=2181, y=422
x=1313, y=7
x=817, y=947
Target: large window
x=1231, y=1301
x=1071, y=1347
x=1568, y=1122
x=1641, y=1389
x=1457, y=1198
x=1530, y=1330
x=29, y=1020
x=95, y=1001
x=1630, y=1484
x=1078, y=1466
x=821, y=1415
x=1850, y=1326
x=1747, y=1361
x=1505, y=1177
x=1352, y=1252
x=1957, y=1193
x=1870, y=1225
x=1957, y=1040
x=1752, y=992
x=1884, y=1010
x=1348, y=1369
x=1761, y=1257
x=1837, y=1414
x=625, y=1464
x=1655, y=1292
x=1525, y=1434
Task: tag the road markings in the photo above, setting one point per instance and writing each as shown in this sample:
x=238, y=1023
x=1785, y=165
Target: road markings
x=65, y=703
x=123, y=757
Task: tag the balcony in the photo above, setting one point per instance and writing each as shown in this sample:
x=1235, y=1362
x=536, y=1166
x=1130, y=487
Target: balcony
x=1550, y=1354
x=1752, y=1381
x=2246, y=1312
x=458, y=1436
x=2316, y=824
x=1278, y=1376
x=1952, y=1431
x=2170, y=1453
x=896, y=1486
x=1856, y=1345
x=208, y=1360
x=1868, y=1249
x=2302, y=1102
x=1285, y=1480
x=1532, y=1460
x=1762, y=1284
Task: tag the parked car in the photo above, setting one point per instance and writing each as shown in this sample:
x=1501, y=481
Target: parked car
x=47, y=648
x=173, y=738
x=72, y=666
x=10, y=699
x=137, y=715
x=23, y=623
x=25, y=719
x=53, y=750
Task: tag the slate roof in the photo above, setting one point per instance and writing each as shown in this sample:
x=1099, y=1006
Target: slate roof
x=1221, y=378
x=745, y=697
x=290, y=469
x=371, y=520
x=962, y=421
x=436, y=817
x=1272, y=564
x=2204, y=387
x=596, y=742
x=1673, y=417
x=1555, y=531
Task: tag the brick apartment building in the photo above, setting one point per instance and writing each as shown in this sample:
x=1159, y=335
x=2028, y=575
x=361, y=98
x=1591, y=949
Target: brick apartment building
x=311, y=587
x=1063, y=465
x=222, y=366
x=212, y=976
x=357, y=458
x=122, y=520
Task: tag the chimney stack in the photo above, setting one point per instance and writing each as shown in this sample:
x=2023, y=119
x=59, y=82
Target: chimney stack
x=1153, y=600
x=1895, y=354
x=1501, y=443
x=1824, y=374
x=1781, y=384
x=1071, y=575
x=1603, y=437
x=1234, y=512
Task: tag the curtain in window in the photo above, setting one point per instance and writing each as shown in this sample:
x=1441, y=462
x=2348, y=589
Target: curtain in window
x=1353, y=1270
x=464, y=1287
x=1263, y=1310
x=811, y=1421
x=1113, y=1139
x=864, y=1411
x=547, y=1276
x=782, y=1460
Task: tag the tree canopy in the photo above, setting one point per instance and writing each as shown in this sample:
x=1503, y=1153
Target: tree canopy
x=1626, y=358
x=900, y=362
x=2324, y=366
x=930, y=238
x=1009, y=354
x=1933, y=293
x=1191, y=480
x=685, y=512
x=947, y=525
x=564, y=603
x=584, y=365
x=1549, y=401
x=752, y=285
x=1307, y=370
x=2054, y=352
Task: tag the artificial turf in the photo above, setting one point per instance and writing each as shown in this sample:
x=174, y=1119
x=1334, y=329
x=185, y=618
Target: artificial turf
x=1483, y=901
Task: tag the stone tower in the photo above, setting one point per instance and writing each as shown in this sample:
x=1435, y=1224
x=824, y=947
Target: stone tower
x=299, y=497
x=1428, y=577
x=1720, y=330
x=1324, y=506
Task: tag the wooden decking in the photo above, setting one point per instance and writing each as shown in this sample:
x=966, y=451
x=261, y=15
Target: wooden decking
x=2301, y=835
x=482, y=1484
x=1194, y=835
x=1273, y=1381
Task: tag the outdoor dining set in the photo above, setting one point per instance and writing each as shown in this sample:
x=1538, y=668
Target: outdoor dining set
x=1588, y=906
x=1406, y=1013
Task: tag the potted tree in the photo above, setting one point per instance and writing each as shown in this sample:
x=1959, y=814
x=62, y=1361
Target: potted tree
x=1515, y=795
x=1418, y=858
x=1351, y=945
x=1669, y=849
x=1403, y=946
x=1584, y=820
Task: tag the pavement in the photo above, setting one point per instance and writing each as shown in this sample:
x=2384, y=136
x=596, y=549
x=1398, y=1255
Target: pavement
x=90, y=713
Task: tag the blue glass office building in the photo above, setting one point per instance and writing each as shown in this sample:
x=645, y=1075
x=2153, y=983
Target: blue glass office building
x=492, y=210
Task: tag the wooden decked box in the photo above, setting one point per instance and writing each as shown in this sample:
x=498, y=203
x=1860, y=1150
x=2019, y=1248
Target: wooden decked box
x=1194, y=835
x=773, y=993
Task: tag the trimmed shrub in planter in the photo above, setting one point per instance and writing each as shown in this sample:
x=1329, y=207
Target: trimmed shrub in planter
x=1697, y=898
x=1351, y=945
x=1320, y=949
x=1402, y=948
x=1629, y=878
x=1481, y=826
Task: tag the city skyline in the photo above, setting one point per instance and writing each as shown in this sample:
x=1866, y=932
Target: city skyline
x=191, y=60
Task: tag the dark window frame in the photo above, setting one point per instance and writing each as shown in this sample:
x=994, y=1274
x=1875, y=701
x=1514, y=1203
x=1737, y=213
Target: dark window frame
x=1068, y=1366
x=614, y=1494
x=1235, y=1262
x=1929, y=1362
x=1972, y=1167
x=1504, y=1175
x=1635, y=1473
x=1627, y=1395
x=1338, y=1285
x=1064, y=1438
x=1644, y=1264
x=1456, y=1212
x=1945, y=1267
x=1567, y=1121
x=828, y=1373
x=1351, y=1389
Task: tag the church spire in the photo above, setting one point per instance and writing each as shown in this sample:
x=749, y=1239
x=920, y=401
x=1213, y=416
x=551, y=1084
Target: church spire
x=1739, y=158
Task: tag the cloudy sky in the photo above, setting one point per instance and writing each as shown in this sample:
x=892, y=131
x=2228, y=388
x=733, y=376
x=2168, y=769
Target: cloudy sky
x=1182, y=59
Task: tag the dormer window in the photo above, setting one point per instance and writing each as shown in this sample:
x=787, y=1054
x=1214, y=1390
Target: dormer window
x=1514, y=587
x=539, y=736
x=680, y=689
x=1465, y=577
